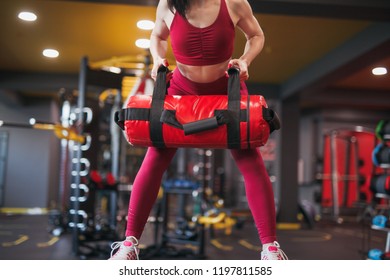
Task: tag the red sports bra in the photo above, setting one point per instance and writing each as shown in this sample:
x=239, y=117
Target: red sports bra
x=203, y=46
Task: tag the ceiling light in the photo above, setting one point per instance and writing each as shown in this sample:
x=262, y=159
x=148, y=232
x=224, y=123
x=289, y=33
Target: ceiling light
x=27, y=16
x=50, y=53
x=113, y=69
x=143, y=43
x=145, y=24
x=379, y=71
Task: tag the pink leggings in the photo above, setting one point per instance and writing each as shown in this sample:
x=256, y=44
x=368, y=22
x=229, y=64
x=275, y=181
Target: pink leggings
x=258, y=187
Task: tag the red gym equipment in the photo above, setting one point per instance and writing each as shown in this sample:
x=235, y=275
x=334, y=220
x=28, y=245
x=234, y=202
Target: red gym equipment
x=347, y=168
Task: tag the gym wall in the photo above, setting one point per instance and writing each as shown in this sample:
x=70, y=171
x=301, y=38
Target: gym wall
x=31, y=165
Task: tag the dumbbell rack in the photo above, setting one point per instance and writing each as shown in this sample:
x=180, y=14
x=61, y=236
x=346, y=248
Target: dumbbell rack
x=384, y=137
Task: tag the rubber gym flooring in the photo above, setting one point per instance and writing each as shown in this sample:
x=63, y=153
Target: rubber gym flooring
x=27, y=237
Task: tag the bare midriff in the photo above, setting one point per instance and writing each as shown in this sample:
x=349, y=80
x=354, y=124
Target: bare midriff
x=204, y=73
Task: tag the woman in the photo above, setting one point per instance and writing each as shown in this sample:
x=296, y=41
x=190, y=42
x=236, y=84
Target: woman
x=202, y=36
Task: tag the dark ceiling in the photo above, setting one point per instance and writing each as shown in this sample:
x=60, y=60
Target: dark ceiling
x=321, y=50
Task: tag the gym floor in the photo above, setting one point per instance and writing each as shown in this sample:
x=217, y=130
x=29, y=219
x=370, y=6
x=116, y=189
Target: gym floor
x=28, y=237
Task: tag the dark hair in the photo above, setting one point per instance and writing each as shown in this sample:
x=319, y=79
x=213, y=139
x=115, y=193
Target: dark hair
x=179, y=5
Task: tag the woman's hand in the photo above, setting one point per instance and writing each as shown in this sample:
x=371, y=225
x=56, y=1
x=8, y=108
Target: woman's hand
x=156, y=66
x=241, y=65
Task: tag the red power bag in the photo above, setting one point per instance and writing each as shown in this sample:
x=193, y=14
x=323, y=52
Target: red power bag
x=197, y=121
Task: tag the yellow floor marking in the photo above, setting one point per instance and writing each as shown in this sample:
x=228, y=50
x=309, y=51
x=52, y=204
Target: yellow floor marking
x=20, y=240
x=192, y=247
x=220, y=246
x=288, y=226
x=248, y=245
x=28, y=211
x=51, y=242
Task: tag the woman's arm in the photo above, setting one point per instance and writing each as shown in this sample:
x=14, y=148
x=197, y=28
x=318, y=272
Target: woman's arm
x=249, y=25
x=159, y=37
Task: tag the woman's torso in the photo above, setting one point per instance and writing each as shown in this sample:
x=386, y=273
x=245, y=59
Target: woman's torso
x=203, y=18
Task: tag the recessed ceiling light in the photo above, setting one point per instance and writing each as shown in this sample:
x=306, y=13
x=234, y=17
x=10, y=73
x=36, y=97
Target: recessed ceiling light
x=143, y=43
x=27, y=16
x=114, y=69
x=51, y=53
x=145, y=24
x=379, y=71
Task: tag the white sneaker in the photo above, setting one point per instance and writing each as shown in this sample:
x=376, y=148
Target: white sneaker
x=273, y=252
x=125, y=250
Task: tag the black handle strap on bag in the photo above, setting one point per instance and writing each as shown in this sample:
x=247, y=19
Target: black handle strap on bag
x=234, y=100
x=157, y=107
x=272, y=119
x=221, y=118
